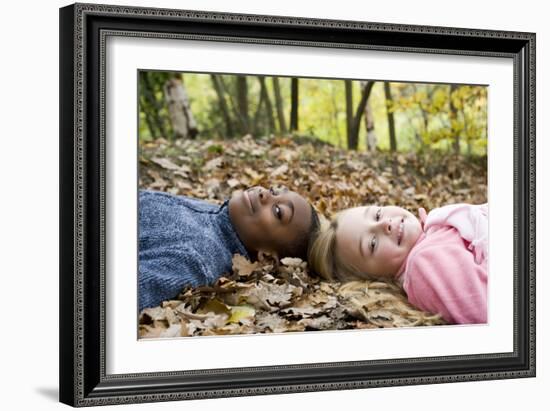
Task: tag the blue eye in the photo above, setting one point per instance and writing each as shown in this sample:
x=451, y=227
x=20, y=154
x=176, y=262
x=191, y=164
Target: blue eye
x=372, y=244
x=377, y=217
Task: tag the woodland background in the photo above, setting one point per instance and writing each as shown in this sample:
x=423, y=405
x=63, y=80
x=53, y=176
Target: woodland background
x=339, y=143
x=353, y=115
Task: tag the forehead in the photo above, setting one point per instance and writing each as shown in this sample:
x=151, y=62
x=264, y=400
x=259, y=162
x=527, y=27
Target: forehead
x=347, y=236
x=349, y=217
x=302, y=210
x=294, y=196
x=348, y=229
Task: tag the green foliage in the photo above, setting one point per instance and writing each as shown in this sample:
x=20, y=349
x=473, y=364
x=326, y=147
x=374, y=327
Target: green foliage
x=215, y=149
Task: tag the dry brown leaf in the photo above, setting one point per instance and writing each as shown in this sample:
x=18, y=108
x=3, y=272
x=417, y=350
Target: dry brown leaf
x=213, y=164
x=279, y=171
x=292, y=261
x=271, y=321
x=233, y=183
x=243, y=267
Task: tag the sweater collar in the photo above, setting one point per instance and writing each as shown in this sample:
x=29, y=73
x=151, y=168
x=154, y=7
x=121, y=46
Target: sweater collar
x=228, y=229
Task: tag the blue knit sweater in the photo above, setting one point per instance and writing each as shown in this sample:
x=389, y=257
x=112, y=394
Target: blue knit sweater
x=182, y=241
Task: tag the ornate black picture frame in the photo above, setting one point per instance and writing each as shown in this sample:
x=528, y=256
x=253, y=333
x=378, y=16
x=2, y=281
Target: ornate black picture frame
x=83, y=379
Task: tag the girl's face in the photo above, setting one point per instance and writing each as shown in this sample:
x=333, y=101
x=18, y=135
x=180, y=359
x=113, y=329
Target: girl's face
x=376, y=240
x=269, y=219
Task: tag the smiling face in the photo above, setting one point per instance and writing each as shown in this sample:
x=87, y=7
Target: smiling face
x=376, y=240
x=270, y=220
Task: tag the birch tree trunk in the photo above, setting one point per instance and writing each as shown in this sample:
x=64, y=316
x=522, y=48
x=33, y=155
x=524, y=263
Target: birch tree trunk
x=354, y=119
x=372, y=140
x=183, y=122
x=366, y=88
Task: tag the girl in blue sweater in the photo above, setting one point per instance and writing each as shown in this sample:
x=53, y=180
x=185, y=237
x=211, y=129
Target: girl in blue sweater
x=189, y=242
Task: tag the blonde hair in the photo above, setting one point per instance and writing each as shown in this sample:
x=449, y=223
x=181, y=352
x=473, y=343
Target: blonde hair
x=322, y=256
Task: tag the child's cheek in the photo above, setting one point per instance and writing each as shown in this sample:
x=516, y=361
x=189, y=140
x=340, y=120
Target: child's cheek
x=391, y=255
x=265, y=222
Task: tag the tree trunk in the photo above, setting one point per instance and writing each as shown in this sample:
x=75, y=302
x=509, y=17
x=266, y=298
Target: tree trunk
x=294, y=104
x=336, y=113
x=242, y=103
x=369, y=126
x=154, y=105
x=353, y=121
x=268, y=105
x=454, y=117
x=149, y=120
x=391, y=122
x=366, y=88
x=279, y=105
x=352, y=145
x=183, y=122
x=425, y=120
x=261, y=102
x=466, y=134
x=220, y=91
x=233, y=107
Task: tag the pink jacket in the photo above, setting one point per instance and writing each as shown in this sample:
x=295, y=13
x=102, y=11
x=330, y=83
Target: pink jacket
x=446, y=270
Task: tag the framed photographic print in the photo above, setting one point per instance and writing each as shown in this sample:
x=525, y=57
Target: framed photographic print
x=262, y=204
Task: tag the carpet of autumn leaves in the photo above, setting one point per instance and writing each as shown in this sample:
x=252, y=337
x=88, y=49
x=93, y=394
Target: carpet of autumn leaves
x=280, y=296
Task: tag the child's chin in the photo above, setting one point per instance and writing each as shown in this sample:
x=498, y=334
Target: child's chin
x=236, y=197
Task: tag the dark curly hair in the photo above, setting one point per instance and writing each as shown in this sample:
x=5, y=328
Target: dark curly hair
x=301, y=245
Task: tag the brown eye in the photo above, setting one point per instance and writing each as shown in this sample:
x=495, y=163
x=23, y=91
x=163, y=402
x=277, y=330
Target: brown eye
x=278, y=212
x=377, y=217
x=272, y=191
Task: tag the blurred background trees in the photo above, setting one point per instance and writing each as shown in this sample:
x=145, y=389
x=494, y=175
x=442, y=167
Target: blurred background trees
x=348, y=114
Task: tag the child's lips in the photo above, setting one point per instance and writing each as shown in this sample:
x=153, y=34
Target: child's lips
x=247, y=201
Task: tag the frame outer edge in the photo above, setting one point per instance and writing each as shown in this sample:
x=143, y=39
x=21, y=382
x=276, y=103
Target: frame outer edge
x=531, y=66
x=72, y=238
x=80, y=154
x=67, y=332
x=285, y=20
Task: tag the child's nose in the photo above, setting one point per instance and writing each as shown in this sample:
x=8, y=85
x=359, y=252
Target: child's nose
x=385, y=225
x=264, y=195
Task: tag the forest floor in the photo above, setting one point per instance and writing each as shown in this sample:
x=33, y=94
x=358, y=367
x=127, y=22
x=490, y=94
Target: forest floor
x=279, y=296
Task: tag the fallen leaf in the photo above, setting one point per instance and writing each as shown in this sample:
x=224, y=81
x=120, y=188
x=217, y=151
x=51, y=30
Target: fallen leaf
x=281, y=170
x=213, y=164
x=242, y=266
x=291, y=261
x=272, y=321
x=240, y=312
x=215, y=306
x=233, y=182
